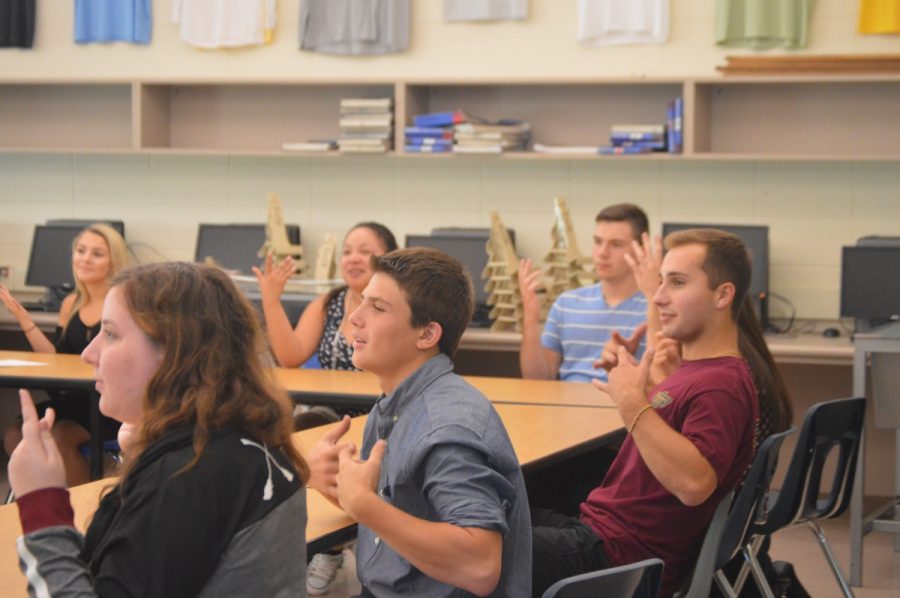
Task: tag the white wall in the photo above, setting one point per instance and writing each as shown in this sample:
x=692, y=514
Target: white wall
x=812, y=208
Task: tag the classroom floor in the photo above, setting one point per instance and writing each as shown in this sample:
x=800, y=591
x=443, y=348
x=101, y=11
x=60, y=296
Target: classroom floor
x=797, y=545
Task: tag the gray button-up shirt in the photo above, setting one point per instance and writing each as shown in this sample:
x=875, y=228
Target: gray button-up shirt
x=448, y=459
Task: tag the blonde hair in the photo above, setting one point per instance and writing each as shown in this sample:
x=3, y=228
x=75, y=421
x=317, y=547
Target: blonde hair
x=118, y=260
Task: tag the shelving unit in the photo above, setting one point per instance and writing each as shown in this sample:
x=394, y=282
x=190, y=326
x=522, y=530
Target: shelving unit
x=810, y=118
x=726, y=118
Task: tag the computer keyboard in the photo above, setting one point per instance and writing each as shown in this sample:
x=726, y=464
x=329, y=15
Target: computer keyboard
x=38, y=306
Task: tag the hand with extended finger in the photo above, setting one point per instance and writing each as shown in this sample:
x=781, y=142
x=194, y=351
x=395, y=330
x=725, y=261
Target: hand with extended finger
x=323, y=460
x=666, y=359
x=609, y=358
x=646, y=263
x=272, y=279
x=529, y=283
x=628, y=382
x=36, y=462
x=357, y=480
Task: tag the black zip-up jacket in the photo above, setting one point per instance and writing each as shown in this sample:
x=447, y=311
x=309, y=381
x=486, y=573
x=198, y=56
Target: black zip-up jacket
x=231, y=525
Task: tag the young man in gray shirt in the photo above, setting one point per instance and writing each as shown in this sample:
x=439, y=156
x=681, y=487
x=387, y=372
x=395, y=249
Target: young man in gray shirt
x=437, y=491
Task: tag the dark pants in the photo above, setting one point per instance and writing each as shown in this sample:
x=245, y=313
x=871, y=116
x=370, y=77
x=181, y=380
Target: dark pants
x=562, y=546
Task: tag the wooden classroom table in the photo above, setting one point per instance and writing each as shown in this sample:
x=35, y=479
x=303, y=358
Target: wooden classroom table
x=541, y=436
x=360, y=389
x=58, y=372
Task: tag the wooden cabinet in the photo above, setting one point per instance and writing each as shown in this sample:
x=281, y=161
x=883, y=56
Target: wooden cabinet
x=726, y=118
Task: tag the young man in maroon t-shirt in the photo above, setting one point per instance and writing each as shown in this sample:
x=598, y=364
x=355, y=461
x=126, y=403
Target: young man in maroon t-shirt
x=690, y=438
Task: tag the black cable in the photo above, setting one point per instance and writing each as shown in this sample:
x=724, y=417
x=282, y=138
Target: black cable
x=790, y=323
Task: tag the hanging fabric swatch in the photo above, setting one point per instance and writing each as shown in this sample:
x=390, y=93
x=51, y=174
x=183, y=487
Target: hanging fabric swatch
x=356, y=27
x=879, y=16
x=762, y=24
x=225, y=23
x=485, y=10
x=618, y=22
x=17, y=23
x=102, y=21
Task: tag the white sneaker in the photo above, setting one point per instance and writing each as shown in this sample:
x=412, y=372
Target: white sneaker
x=321, y=572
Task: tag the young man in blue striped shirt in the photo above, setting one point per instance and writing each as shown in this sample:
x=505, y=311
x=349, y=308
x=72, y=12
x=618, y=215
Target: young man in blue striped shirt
x=581, y=321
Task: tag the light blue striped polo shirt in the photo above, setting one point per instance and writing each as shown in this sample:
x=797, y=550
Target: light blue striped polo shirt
x=579, y=324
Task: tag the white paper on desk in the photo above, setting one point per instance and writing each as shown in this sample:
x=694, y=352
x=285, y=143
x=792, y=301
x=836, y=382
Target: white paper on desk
x=16, y=363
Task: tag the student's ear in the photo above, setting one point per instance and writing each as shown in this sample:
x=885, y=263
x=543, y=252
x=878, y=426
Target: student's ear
x=725, y=295
x=429, y=335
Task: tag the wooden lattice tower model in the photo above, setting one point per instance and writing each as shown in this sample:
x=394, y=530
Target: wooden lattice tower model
x=277, y=241
x=502, y=272
x=325, y=258
x=565, y=267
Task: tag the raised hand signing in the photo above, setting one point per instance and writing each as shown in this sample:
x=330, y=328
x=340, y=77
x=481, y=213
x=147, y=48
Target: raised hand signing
x=36, y=462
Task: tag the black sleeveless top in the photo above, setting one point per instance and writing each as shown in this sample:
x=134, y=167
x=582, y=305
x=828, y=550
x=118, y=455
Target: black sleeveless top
x=77, y=336
x=334, y=353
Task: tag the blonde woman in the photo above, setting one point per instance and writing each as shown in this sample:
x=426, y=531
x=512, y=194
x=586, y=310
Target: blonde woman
x=98, y=253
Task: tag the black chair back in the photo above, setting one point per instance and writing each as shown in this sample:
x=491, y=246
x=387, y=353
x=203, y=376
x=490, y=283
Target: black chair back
x=829, y=426
x=745, y=509
x=636, y=580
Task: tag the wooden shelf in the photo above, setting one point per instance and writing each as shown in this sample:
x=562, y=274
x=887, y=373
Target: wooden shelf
x=778, y=118
x=808, y=120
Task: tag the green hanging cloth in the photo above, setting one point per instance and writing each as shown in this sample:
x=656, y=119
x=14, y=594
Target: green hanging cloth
x=762, y=24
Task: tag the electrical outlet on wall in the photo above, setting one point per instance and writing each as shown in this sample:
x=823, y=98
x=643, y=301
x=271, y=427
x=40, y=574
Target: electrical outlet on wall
x=5, y=272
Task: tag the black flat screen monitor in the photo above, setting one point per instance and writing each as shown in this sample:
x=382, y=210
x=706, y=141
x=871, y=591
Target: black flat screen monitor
x=50, y=263
x=236, y=246
x=116, y=224
x=870, y=283
x=467, y=246
x=756, y=238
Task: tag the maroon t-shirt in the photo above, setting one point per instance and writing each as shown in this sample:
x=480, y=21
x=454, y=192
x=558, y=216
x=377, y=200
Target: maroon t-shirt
x=712, y=403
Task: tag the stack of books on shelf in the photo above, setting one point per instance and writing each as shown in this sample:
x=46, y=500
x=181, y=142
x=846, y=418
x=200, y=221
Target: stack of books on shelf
x=491, y=138
x=635, y=139
x=367, y=125
x=432, y=132
x=435, y=140
x=646, y=138
x=314, y=145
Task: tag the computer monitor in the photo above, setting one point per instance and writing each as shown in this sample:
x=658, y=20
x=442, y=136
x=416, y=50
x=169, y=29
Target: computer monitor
x=756, y=238
x=50, y=263
x=467, y=246
x=870, y=284
x=116, y=224
x=236, y=246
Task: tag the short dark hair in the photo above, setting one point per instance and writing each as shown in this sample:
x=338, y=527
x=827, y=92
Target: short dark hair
x=437, y=288
x=626, y=212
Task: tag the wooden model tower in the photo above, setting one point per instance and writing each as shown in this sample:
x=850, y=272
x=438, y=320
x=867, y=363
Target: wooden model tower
x=502, y=272
x=565, y=267
x=277, y=241
x=325, y=267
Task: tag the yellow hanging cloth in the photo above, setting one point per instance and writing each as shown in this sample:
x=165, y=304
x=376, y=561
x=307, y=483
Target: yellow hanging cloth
x=879, y=16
